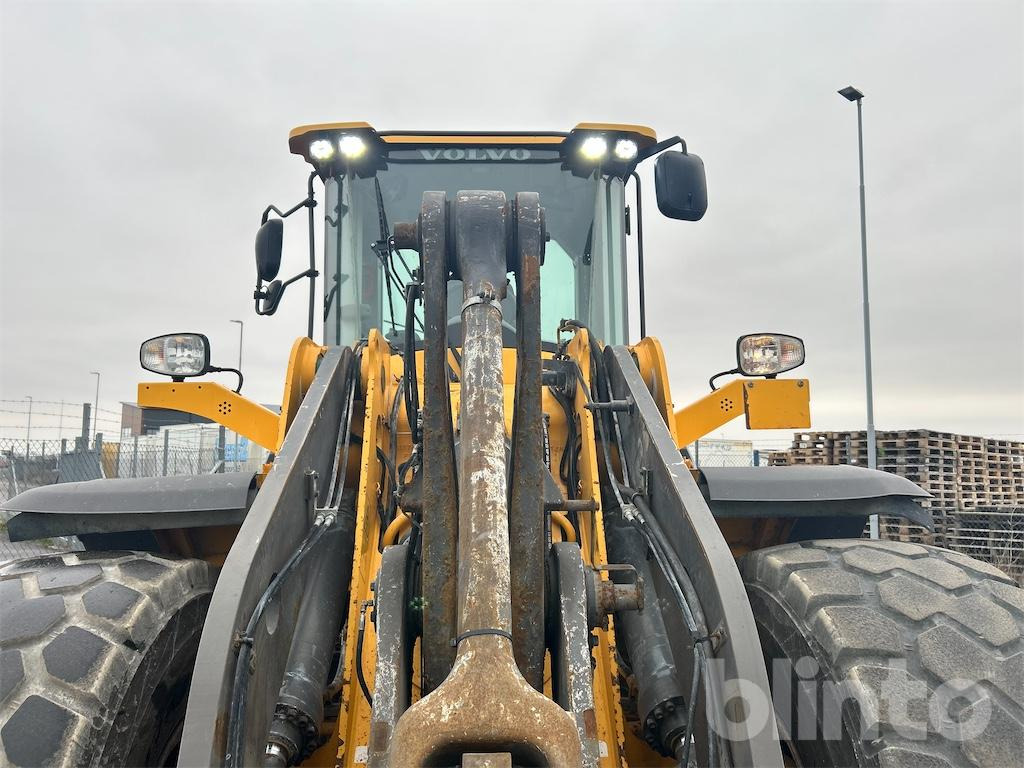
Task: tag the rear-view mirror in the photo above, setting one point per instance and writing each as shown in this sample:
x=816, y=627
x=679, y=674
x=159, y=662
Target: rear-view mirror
x=269, y=241
x=681, y=186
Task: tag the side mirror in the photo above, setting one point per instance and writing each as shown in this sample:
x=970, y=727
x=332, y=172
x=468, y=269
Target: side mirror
x=270, y=297
x=681, y=186
x=269, y=240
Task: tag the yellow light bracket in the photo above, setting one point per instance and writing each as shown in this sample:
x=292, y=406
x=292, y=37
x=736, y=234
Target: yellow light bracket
x=217, y=403
x=766, y=404
x=239, y=414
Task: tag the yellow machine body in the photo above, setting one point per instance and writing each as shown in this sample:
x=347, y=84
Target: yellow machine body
x=767, y=404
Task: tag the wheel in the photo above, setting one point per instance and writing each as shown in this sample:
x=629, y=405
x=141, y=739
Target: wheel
x=96, y=657
x=890, y=654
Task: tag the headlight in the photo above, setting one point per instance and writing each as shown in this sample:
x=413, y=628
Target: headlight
x=338, y=148
x=767, y=354
x=626, y=149
x=321, y=149
x=351, y=146
x=612, y=148
x=594, y=147
x=177, y=355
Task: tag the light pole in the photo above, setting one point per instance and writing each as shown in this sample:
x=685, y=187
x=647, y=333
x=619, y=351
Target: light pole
x=96, y=408
x=852, y=94
x=241, y=330
x=28, y=432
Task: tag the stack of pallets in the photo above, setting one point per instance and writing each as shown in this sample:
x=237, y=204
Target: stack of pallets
x=960, y=472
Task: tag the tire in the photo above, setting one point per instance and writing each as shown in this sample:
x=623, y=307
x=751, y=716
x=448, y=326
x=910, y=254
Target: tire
x=96, y=657
x=918, y=649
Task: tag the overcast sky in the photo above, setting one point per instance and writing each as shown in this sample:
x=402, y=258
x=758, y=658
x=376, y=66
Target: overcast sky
x=141, y=141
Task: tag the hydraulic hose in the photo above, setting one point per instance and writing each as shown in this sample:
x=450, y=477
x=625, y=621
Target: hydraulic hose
x=300, y=703
x=637, y=511
x=236, y=713
x=323, y=521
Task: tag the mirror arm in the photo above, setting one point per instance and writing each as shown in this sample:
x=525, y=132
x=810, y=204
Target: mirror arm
x=260, y=293
x=661, y=146
x=309, y=203
x=310, y=273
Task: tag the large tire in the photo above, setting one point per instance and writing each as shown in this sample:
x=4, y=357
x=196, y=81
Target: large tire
x=894, y=624
x=96, y=656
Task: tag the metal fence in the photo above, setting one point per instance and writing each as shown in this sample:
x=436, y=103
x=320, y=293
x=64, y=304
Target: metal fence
x=992, y=534
x=710, y=452
x=197, y=449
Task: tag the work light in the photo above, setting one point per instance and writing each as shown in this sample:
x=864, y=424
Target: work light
x=351, y=146
x=177, y=354
x=594, y=147
x=768, y=354
x=626, y=149
x=321, y=149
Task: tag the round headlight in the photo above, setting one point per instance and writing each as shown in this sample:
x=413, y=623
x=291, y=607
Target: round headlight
x=351, y=146
x=594, y=148
x=321, y=149
x=625, y=149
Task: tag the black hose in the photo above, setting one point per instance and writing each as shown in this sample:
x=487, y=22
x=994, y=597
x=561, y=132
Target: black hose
x=684, y=762
x=359, y=657
x=236, y=711
x=660, y=547
x=240, y=687
x=412, y=392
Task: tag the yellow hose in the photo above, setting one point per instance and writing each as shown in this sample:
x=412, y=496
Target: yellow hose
x=398, y=526
x=568, y=532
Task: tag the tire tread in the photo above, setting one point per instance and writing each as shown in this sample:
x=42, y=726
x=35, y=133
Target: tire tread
x=876, y=612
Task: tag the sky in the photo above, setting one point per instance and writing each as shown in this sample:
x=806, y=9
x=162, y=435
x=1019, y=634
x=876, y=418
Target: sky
x=140, y=142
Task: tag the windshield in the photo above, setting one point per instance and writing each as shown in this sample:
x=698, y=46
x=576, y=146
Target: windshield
x=583, y=275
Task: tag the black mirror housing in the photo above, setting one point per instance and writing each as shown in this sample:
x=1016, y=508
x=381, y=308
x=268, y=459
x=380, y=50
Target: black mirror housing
x=269, y=243
x=681, y=186
x=271, y=298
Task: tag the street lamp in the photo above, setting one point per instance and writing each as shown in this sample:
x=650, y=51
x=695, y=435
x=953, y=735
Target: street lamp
x=852, y=94
x=96, y=408
x=241, y=330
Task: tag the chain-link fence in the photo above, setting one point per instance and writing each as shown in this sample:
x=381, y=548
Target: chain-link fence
x=191, y=450
x=723, y=453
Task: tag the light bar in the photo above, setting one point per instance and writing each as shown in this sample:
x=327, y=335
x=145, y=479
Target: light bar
x=613, y=149
x=334, y=148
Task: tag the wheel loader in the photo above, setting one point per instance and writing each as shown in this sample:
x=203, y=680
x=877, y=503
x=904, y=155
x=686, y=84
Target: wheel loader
x=479, y=539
